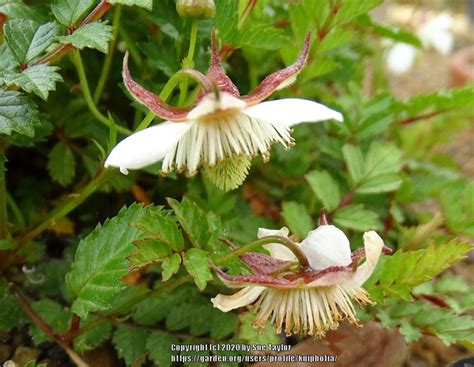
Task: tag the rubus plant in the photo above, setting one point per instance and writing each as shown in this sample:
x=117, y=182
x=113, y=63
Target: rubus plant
x=143, y=278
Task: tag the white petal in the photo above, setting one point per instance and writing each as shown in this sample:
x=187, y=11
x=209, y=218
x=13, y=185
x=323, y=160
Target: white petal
x=291, y=111
x=263, y=232
x=209, y=104
x=242, y=298
x=276, y=250
x=326, y=246
x=146, y=146
x=373, y=245
x=400, y=58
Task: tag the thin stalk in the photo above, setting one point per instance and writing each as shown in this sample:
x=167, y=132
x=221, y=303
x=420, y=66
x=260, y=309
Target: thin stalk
x=69, y=204
x=77, y=61
x=164, y=95
x=188, y=62
x=104, y=73
x=3, y=197
x=46, y=328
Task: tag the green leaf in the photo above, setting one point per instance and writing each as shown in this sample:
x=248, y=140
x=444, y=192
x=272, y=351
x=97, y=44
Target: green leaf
x=249, y=334
x=55, y=316
x=68, y=12
x=17, y=113
x=92, y=35
x=377, y=171
x=261, y=36
x=159, y=344
x=223, y=324
x=226, y=19
x=399, y=273
x=356, y=217
x=349, y=10
x=160, y=225
x=409, y=332
x=17, y=9
x=325, y=187
x=61, y=164
x=382, y=183
x=193, y=221
x=196, y=262
x=92, y=338
x=10, y=313
x=147, y=4
x=42, y=39
x=130, y=343
x=18, y=35
x=170, y=266
x=149, y=251
x=354, y=160
x=101, y=262
x=156, y=309
x=38, y=79
x=297, y=218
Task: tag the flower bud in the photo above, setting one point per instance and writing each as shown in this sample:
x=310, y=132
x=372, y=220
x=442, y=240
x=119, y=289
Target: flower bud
x=198, y=9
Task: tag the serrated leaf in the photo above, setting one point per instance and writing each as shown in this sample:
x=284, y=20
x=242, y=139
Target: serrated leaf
x=170, y=266
x=261, y=36
x=18, y=35
x=251, y=335
x=349, y=10
x=409, y=332
x=382, y=183
x=193, y=221
x=159, y=344
x=10, y=313
x=160, y=225
x=92, y=35
x=156, y=309
x=297, y=218
x=130, y=343
x=38, y=79
x=354, y=160
x=196, y=262
x=68, y=12
x=101, y=262
x=149, y=251
x=226, y=19
x=92, y=338
x=399, y=273
x=42, y=39
x=17, y=9
x=17, y=113
x=61, y=164
x=325, y=187
x=223, y=324
x=357, y=217
x=55, y=316
x=147, y=4
x=180, y=317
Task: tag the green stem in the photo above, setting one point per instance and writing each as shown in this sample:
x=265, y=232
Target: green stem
x=188, y=61
x=69, y=204
x=3, y=196
x=108, y=58
x=164, y=95
x=16, y=212
x=77, y=60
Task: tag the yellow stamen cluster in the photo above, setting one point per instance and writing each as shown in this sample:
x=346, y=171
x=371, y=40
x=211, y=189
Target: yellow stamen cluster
x=308, y=311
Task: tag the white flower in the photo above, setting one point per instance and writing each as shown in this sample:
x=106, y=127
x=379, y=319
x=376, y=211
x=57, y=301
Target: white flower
x=223, y=126
x=435, y=33
x=316, y=298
